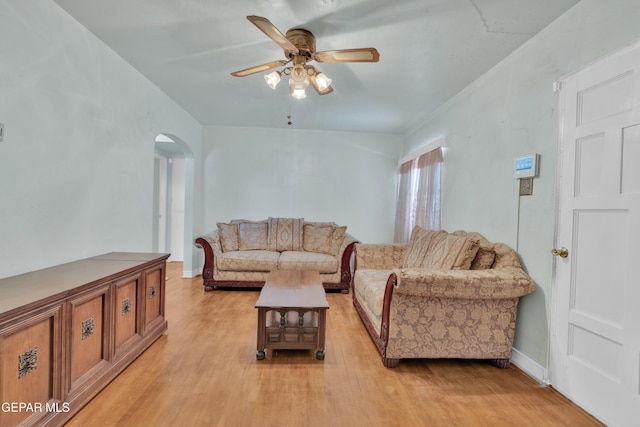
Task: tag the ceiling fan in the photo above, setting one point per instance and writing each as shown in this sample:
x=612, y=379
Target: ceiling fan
x=300, y=48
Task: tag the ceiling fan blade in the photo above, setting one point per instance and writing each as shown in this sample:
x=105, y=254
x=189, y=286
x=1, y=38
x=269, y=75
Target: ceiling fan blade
x=259, y=68
x=314, y=84
x=366, y=54
x=273, y=33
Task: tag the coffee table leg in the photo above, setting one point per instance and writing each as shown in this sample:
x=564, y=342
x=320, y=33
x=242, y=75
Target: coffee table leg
x=322, y=324
x=262, y=317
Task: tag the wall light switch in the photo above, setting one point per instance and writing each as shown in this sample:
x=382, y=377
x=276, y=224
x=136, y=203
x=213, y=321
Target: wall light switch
x=1, y=132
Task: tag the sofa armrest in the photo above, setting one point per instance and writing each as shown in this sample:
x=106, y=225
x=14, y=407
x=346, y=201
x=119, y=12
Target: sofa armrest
x=213, y=238
x=344, y=257
x=349, y=240
x=502, y=283
x=379, y=256
x=210, y=244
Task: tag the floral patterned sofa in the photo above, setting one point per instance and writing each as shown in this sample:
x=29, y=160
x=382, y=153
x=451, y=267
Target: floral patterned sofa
x=442, y=295
x=242, y=253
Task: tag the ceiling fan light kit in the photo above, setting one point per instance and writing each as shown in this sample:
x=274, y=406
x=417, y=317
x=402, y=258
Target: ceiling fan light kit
x=300, y=48
x=322, y=81
x=298, y=81
x=273, y=78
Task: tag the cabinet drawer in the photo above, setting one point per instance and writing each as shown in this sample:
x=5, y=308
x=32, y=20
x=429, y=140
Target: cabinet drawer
x=126, y=313
x=89, y=348
x=154, y=297
x=30, y=365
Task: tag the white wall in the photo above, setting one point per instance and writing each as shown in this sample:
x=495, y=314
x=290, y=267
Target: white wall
x=76, y=164
x=511, y=111
x=349, y=178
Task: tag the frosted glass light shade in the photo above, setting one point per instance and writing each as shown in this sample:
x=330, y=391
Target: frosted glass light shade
x=272, y=79
x=298, y=93
x=323, y=81
x=298, y=82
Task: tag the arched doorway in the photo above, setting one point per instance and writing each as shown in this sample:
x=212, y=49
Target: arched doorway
x=173, y=200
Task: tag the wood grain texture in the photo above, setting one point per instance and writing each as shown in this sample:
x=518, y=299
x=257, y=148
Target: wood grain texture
x=203, y=372
x=293, y=288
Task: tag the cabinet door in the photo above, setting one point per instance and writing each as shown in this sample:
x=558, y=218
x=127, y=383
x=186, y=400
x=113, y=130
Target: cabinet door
x=126, y=314
x=30, y=366
x=154, y=297
x=90, y=355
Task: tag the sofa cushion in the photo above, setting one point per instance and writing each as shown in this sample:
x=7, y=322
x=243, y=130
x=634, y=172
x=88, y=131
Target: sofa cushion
x=473, y=235
x=285, y=234
x=419, y=246
x=486, y=253
x=297, y=260
x=451, y=252
x=228, y=236
x=253, y=235
x=318, y=238
x=252, y=260
x=484, y=259
x=337, y=238
x=369, y=286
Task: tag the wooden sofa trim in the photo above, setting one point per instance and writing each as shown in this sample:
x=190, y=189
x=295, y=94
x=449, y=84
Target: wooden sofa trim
x=381, y=340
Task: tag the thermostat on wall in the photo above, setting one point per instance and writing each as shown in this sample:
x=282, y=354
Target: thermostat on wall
x=526, y=166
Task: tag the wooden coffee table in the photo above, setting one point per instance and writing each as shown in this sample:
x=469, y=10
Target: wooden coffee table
x=292, y=312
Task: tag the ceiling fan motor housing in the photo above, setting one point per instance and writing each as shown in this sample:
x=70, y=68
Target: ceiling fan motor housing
x=304, y=40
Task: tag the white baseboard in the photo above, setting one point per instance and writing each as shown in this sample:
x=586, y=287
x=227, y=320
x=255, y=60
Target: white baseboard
x=190, y=274
x=530, y=367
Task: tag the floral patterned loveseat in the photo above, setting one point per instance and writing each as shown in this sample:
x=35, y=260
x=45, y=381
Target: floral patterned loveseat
x=241, y=253
x=442, y=295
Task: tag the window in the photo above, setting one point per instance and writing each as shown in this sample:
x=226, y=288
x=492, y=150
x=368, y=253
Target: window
x=419, y=195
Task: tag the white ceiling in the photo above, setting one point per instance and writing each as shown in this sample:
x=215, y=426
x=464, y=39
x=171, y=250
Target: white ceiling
x=429, y=51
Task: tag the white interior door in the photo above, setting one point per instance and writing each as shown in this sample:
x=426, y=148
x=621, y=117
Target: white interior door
x=595, y=330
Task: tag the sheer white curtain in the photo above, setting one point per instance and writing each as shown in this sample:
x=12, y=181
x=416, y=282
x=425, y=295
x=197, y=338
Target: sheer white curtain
x=419, y=195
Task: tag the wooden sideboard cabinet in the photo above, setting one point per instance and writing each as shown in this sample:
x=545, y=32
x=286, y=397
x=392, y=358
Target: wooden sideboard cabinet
x=68, y=330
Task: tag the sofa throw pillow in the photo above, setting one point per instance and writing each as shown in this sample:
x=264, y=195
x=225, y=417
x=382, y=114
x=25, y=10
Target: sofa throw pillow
x=484, y=259
x=228, y=236
x=318, y=238
x=486, y=253
x=253, y=235
x=339, y=232
x=418, y=247
x=451, y=252
x=337, y=239
x=285, y=234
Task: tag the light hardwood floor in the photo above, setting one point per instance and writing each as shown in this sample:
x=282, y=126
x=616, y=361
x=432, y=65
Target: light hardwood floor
x=203, y=372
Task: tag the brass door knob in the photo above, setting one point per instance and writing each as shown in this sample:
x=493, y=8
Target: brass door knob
x=562, y=252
